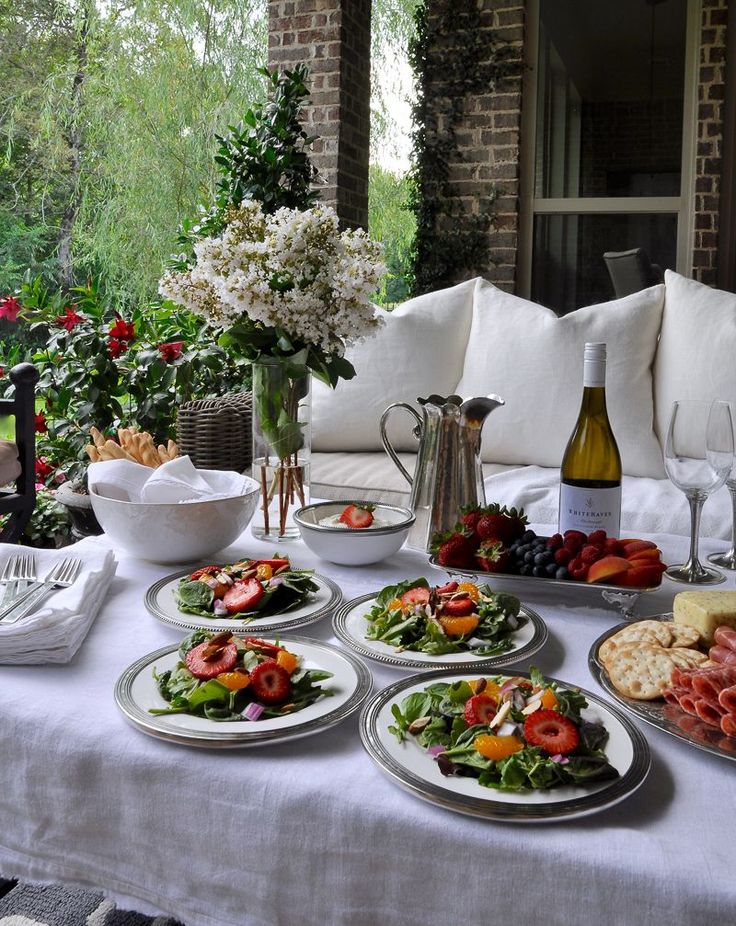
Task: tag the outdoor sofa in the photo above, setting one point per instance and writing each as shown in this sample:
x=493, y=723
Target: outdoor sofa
x=675, y=340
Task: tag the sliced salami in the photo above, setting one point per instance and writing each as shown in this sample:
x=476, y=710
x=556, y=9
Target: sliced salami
x=707, y=712
x=723, y=654
x=725, y=636
x=727, y=699
x=728, y=724
x=710, y=682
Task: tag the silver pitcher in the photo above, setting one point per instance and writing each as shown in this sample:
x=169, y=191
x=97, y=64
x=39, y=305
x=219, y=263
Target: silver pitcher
x=448, y=473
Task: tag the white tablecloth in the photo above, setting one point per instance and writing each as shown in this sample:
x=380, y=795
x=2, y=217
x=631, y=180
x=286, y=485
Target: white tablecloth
x=311, y=832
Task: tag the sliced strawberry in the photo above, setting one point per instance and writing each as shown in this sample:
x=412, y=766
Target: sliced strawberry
x=446, y=589
x=555, y=734
x=208, y=660
x=481, y=708
x=357, y=516
x=459, y=606
x=273, y=563
x=243, y=596
x=205, y=571
x=270, y=682
x=415, y=596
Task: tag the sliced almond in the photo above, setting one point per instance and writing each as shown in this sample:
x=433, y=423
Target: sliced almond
x=502, y=714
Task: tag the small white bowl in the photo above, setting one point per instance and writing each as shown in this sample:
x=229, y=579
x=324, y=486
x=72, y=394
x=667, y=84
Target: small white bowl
x=175, y=533
x=353, y=547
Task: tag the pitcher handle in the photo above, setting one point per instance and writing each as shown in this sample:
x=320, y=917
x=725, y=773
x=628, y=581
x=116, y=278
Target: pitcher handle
x=417, y=431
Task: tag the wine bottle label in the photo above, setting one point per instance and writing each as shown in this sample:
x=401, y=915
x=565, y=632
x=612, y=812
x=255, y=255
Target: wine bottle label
x=583, y=509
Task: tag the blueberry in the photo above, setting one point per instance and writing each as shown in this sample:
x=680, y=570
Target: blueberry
x=528, y=536
x=539, y=572
x=540, y=559
x=551, y=570
x=562, y=573
x=529, y=557
x=525, y=570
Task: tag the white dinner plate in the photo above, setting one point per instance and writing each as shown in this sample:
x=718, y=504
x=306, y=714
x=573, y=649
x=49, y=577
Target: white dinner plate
x=670, y=718
x=136, y=692
x=413, y=769
x=161, y=602
x=350, y=625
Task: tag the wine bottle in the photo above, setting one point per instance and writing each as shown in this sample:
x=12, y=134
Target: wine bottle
x=590, y=477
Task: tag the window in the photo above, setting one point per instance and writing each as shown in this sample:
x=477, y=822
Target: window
x=607, y=134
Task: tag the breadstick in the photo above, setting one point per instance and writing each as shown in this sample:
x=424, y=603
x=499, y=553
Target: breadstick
x=98, y=439
x=116, y=452
x=93, y=453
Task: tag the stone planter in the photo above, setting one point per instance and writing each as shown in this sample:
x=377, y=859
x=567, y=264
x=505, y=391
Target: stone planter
x=79, y=505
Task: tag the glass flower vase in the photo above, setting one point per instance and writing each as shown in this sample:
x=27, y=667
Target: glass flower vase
x=281, y=446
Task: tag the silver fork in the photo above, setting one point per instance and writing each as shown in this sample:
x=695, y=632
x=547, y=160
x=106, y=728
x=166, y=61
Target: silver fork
x=18, y=572
x=62, y=575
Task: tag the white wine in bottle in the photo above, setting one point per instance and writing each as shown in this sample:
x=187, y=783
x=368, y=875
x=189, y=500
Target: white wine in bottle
x=590, y=477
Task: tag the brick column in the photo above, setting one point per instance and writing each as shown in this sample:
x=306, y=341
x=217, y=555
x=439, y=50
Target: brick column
x=333, y=38
x=471, y=111
x=708, y=160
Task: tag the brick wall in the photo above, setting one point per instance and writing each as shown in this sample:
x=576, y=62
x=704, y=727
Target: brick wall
x=708, y=165
x=332, y=37
x=477, y=131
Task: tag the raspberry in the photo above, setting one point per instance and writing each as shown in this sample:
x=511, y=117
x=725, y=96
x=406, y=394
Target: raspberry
x=555, y=734
x=555, y=542
x=589, y=554
x=562, y=556
x=573, y=543
x=597, y=537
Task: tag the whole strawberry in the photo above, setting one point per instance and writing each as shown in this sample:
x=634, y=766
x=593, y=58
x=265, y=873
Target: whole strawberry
x=469, y=517
x=501, y=523
x=454, y=548
x=492, y=555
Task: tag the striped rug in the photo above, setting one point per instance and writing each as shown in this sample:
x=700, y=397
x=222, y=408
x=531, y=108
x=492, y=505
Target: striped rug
x=26, y=904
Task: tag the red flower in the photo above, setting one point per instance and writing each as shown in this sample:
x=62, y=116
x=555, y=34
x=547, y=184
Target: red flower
x=70, y=318
x=116, y=347
x=41, y=426
x=43, y=468
x=9, y=308
x=171, y=350
x=122, y=330
x=2, y=371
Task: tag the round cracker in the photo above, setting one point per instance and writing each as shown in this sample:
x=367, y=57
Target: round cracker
x=654, y=632
x=640, y=670
x=684, y=635
x=687, y=658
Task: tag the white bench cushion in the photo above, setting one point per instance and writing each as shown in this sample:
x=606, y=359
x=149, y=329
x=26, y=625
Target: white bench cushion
x=9, y=464
x=696, y=358
x=534, y=361
x=419, y=350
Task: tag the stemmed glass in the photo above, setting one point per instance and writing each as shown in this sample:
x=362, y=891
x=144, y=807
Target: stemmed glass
x=698, y=457
x=728, y=560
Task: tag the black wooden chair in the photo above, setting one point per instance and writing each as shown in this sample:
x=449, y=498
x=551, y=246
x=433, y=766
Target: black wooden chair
x=631, y=271
x=18, y=457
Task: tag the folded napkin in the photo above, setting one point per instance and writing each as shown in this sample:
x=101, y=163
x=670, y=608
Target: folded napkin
x=55, y=631
x=173, y=482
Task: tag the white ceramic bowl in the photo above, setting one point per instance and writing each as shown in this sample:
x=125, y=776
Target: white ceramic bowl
x=351, y=547
x=175, y=533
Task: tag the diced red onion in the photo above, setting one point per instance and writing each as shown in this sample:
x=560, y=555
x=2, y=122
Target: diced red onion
x=218, y=607
x=559, y=759
x=435, y=750
x=276, y=580
x=507, y=728
x=518, y=699
x=253, y=711
x=509, y=686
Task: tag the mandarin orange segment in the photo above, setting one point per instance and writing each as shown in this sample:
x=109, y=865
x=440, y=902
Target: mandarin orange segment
x=287, y=661
x=549, y=701
x=264, y=572
x=234, y=681
x=470, y=589
x=458, y=626
x=396, y=604
x=497, y=747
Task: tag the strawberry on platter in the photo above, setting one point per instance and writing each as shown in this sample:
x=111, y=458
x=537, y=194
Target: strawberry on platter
x=252, y=586
x=509, y=733
x=223, y=677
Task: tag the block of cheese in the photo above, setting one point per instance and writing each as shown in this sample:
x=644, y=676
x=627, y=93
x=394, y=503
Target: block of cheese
x=705, y=611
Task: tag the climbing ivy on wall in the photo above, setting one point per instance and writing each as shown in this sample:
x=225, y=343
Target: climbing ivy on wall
x=455, y=57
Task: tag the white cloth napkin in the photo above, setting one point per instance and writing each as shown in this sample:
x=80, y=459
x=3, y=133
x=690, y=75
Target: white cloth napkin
x=173, y=482
x=55, y=631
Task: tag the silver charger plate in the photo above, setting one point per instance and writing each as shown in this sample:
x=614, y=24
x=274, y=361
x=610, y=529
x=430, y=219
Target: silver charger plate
x=409, y=766
x=160, y=601
x=620, y=596
x=350, y=624
x=666, y=717
x=136, y=691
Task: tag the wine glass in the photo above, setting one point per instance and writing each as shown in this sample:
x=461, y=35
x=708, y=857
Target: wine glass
x=698, y=456
x=728, y=560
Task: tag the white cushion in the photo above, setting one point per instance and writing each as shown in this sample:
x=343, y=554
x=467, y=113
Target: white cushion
x=534, y=360
x=419, y=351
x=696, y=358
x=10, y=467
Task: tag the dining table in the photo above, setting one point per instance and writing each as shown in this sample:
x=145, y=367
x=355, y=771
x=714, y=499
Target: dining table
x=311, y=831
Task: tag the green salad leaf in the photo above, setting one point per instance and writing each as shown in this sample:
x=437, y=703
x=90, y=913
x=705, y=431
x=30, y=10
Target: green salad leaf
x=287, y=591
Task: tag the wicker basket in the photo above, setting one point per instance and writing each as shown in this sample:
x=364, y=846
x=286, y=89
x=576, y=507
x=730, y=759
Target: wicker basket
x=217, y=433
